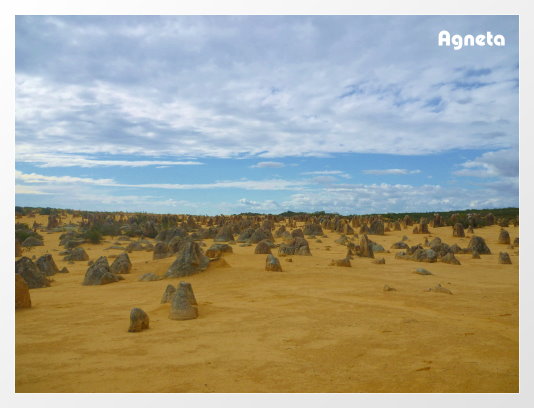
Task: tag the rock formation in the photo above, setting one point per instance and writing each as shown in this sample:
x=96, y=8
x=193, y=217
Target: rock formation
x=138, y=320
x=504, y=258
x=181, y=308
x=479, y=245
x=272, y=264
x=121, y=264
x=22, y=293
x=99, y=273
x=504, y=237
x=190, y=260
x=33, y=277
x=46, y=265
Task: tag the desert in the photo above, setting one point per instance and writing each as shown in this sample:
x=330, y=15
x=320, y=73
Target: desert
x=302, y=303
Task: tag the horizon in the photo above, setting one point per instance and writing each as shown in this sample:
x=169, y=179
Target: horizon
x=265, y=114
x=279, y=214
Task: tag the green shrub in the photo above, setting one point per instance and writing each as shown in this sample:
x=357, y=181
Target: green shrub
x=93, y=236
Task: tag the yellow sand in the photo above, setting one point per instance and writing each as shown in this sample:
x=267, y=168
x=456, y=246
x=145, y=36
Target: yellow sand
x=311, y=328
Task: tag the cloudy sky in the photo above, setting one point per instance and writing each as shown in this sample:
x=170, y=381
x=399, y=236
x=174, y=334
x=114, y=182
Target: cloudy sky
x=229, y=114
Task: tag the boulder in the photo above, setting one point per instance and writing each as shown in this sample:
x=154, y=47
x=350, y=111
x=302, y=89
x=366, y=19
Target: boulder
x=504, y=258
x=188, y=289
x=504, y=237
x=190, y=260
x=168, y=294
x=365, y=249
x=422, y=271
x=439, y=289
x=18, y=249
x=312, y=229
x=225, y=234
x=263, y=247
x=161, y=250
x=260, y=234
x=295, y=246
x=46, y=265
x=99, y=273
x=181, y=307
x=340, y=262
x=458, y=230
x=450, y=259
x=135, y=246
x=479, y=245
x=149, y=277
x=376, y=228
x=138, y=320
x=399, y=245
x=424, y=255
x=217, y=250
x=377, y=248
x=168, y=234
x=247, y=234
x=121, y=264
x=272, y=264
x=76, y=254
x=31, y=242
x=22, y=293
x=33, y=277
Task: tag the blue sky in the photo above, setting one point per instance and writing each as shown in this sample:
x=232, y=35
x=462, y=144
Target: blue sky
x=229, y=114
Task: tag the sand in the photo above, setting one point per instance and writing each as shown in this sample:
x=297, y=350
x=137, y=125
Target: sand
x=311, y=328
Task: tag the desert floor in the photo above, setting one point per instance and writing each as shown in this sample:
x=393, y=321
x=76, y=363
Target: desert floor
x=311, y=328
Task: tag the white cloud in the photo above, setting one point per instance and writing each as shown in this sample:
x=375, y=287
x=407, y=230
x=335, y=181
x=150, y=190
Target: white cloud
x=271, y=164
x=323, y=172
x=39, y=178
x=276, y=98
x=391, y=172
x=43, y=160
x=501, y=163
x=273, y=184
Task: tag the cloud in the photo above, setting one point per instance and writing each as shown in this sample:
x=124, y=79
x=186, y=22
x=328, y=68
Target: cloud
x=501, y=163
x=273, y=184
x=323, y=172
x=326, y=176
x=21, y=189
x=383, y=198
x=66, y=160
x=234, y=86
x=271, y=164
x=391, y=172
x=39, y=178
x=263, y=206
x=324, y=179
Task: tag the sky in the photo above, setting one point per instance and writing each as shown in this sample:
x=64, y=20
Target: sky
x=229, y=114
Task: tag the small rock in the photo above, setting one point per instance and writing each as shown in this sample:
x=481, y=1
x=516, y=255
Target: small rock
x=422, y=271
x=340, y=262
x=439, y=289
x=138, y=320
x=149, y=277
x=504, y=258
x=168, y=294
x=181, y=308
x=22, y=293
x=272, y=264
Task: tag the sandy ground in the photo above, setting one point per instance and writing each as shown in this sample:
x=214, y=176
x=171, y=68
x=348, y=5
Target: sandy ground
x=311, y=328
